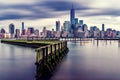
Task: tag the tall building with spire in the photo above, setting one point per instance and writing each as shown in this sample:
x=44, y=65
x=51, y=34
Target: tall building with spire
x=72, y=18
x=23, y=28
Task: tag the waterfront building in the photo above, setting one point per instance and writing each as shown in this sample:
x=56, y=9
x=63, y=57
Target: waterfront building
x=44, y=32
x=52, y=33
x=48, y=33
x=7, y=35
x=97, y=34
x=57, y=34
x=102, y=33
x=1, y=35
x=11, y=30
x=81, y=22
x=37, y=32
x=31, y=30
x=17, y=33
x=87, y=33
x=94, y=32
x=57, y=29
x=95, y=28
x=103, y=27
x=28, y=32
x=84, y=27
x=91, y=29
x=57, y=26
x=79, y=33
x=65, y=34
x=66, y=26
x=25, y=32
x=2, y=31
x=114, y=33
x=23, y=28
x=109, y=33
x=76, y=20
x=118, y=34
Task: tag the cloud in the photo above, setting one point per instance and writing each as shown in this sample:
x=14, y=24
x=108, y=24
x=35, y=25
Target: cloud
x=12, y=2
x=11, y=16
x=101, y=12
x=63, y=5
x=111, y=12
x=39, y=9
x=51, y=8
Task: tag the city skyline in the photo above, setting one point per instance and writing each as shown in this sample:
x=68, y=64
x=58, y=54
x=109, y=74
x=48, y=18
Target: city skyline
x=40, y=13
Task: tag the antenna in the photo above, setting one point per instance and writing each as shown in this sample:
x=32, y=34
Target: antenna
x=72, y=6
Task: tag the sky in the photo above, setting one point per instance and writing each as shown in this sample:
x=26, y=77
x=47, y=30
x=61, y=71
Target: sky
x=40, y=13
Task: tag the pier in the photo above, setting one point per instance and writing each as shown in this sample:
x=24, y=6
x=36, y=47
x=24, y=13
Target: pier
x=49, y=53
x=75, y=39
x=48, y=57
x=59, y=39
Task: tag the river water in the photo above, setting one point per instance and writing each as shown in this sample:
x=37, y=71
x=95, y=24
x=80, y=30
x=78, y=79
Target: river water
x=16, y=62
x=88, y=60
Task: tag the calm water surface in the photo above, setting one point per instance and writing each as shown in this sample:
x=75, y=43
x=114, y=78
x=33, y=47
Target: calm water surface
x=92, y=60
x=16, y=63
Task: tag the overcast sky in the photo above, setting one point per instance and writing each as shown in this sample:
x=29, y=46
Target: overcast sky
x=39, y=13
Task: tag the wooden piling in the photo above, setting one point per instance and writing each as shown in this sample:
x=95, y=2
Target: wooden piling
x=49, y=56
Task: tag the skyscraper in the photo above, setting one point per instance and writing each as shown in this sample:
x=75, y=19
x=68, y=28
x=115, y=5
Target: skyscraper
x=103, y=31
x=31, y=30
x=85, y=27
x=17, y=34
x=44, y=32
x=81, y=22
x=66, y=26
x=76, y=20
x=57, y=26
x=11, y=29
x=72, y=18
x=103, y=27
x=23, y=28
x=2, y=31
x=37, y=32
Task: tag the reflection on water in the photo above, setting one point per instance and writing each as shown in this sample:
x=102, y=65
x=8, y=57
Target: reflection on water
x=86, y=60
x=119, y=43
x=97, y=60
x=16, y=63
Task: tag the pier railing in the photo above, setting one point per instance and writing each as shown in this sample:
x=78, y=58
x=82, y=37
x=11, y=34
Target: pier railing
x=45, y=51
x=48, y=56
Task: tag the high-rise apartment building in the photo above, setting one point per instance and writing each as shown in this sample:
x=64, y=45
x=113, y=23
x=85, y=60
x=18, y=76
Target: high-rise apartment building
x=103, y=27
x=76, y=20
x=66, y=26
x=17, y=33
x=81, y=22
x=37, y=32
x=58, y=26
x=11, y=30
x=2, y=31
x=44, y=32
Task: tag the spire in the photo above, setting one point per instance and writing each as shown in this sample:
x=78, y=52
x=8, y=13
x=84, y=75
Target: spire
x=72, y=6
